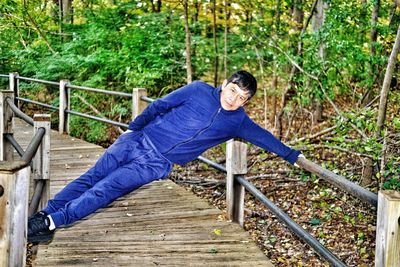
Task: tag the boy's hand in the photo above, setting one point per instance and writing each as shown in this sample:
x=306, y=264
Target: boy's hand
x=300, y=156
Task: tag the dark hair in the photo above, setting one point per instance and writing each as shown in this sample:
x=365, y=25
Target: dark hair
x=245, y=81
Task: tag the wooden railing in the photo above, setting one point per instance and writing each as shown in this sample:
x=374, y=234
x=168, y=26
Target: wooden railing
x=388, y=202
x=15, y=175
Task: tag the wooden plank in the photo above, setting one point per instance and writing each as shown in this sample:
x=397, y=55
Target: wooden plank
x=137, y=104
x=159, y=224
x=163, y=260
x=236, y=163
x=13, y=216
x=387, y=229
x=63, y=105
x=6, y=125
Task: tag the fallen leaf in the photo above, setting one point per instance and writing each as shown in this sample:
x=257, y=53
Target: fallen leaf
x=217, y=231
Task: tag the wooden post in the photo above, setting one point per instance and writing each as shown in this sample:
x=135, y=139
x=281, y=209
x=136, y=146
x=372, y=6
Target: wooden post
x=138, y=105
x=41, y=161
x=6, y=126
x=14, y=184
x=14, y=86
x=236, y=163
x=63, y=116
x=68, y=117
x=387, y=229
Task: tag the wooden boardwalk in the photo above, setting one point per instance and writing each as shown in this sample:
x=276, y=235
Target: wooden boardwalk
x=161, y=224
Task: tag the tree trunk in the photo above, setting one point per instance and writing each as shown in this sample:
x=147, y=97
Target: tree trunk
x=260, y=62
x=277, y=119
x=67, y=11
x=60, y=20
x=214, y=10
x=368, y=170
x=374, y=22
x=373, y=38
x=197, y=11
x=318, y=22
x=158, y=6
x=392, y=16
x=187, y=43
x=226, y=3
x=298, y=16
x=274, y=107
x=386, y=85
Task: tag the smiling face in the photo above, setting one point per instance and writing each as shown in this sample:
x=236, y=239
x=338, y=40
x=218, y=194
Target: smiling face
x=232, y=97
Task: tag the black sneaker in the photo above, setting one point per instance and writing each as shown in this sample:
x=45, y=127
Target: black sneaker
x=37, y=215
x=38, y=228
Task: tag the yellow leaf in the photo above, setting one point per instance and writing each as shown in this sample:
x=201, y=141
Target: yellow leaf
x=217, y=231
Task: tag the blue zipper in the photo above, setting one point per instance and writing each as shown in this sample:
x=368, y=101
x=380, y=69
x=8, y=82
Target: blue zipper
x=197, y=134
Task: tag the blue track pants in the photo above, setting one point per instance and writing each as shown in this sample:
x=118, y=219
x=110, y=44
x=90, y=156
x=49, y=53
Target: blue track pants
x=132, y=161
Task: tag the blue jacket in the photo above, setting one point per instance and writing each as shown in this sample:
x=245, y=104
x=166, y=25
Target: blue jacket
x=188, y=121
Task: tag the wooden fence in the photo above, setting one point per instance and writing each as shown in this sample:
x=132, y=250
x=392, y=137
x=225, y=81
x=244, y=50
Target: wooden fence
x=388, y=202
x=15, y=179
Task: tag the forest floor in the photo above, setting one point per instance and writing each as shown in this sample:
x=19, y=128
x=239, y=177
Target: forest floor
x=340, y=222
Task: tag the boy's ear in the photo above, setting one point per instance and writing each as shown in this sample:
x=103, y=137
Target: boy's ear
x=245, y=102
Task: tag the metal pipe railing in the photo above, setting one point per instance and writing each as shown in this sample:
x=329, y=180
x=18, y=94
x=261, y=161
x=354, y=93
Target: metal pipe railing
x=213, y=164
x=292, y=225
x=147, y=99
x=26, y=118
x=35, y=200
x=33, y=145
x=120, y=124
x=10, y=138
x=18, y=112
x=96, y=90
x=36, y=103
x=297, y=229
x=38, y=81
x=4, y=76
x=339, y=181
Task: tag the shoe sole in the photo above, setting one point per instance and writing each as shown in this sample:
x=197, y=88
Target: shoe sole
x=41, y=239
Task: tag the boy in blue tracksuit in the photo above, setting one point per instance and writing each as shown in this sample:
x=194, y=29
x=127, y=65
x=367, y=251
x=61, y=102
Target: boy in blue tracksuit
x=175, y=129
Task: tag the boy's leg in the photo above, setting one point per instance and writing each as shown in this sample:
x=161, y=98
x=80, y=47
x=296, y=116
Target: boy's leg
x=143, y=170
x=123, y=150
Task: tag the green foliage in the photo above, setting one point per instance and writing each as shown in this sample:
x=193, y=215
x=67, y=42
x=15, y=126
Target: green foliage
x=123, y=45
x=306, y=176
x=117, y=48
x=315, y=221
x=391, y=175
x=392, y=184
x=365, y=122
x=213, y=250
x=140, y=53
x=91, y=130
